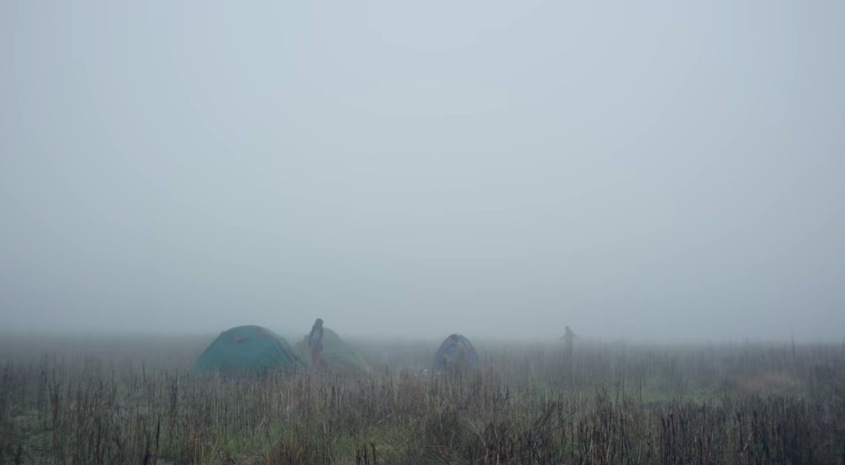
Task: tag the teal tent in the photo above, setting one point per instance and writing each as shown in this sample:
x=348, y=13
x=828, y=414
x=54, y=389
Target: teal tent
x=250, y=349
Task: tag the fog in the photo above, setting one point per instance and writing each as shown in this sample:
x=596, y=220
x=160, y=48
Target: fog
x=639, y=171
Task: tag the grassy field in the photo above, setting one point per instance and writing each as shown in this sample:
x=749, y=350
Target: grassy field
x=129, y=399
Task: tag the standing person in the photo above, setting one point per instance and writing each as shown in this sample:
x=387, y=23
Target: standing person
x=568, y=339
x=315, y=343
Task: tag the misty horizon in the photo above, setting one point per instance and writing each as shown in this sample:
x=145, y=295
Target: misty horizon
x=653, y=172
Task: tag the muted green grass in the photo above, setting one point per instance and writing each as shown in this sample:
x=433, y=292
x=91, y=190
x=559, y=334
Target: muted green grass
x=73, y=401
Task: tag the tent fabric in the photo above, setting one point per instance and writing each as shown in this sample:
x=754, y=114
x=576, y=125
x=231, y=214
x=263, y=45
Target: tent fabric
x=337, y=355
x=455, y=352
x=248, y=349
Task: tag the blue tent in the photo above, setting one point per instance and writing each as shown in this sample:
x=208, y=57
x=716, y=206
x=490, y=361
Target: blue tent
x=455, y=353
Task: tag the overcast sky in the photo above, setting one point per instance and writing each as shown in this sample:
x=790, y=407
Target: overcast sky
x=642, y=171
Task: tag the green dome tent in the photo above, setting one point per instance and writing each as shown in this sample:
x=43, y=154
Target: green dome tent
x=337, y=355
x=247, y=349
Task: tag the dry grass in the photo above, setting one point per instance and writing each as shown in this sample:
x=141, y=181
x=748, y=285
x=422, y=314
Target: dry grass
x=131, y=401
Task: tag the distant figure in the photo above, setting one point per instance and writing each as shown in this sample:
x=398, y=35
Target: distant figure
x=568, y=338
x=315, y=343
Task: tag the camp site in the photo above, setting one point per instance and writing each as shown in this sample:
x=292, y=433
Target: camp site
x=431, y=232
x=246, y=395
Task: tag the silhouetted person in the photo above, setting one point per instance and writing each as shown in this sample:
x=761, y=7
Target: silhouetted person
x=568, y=339
x=315, y=343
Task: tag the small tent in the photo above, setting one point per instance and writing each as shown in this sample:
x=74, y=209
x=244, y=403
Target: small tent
x=337, y=355
x=248, y=349
x=455, y=353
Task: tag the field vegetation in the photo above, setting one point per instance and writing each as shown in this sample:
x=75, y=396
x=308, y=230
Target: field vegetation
x=131, y=400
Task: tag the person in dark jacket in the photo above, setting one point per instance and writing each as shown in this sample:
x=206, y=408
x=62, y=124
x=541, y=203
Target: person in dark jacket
x=568, y=339
x=315, y=343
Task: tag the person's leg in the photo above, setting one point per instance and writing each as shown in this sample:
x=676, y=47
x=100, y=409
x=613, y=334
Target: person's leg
x=318, y=359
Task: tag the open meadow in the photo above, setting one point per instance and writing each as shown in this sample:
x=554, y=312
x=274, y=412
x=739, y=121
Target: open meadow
x=131, y=400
